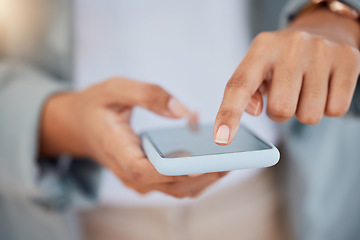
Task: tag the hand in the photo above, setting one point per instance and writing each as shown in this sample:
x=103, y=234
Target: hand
x=95, y=123
x=308, y=69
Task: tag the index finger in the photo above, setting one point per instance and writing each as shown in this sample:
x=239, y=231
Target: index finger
x=238, y=92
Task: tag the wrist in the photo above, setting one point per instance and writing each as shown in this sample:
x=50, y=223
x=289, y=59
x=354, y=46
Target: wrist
x=330, y=25
x=58, y=131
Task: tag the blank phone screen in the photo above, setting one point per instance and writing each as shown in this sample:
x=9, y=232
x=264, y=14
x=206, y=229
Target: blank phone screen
x=198, y=141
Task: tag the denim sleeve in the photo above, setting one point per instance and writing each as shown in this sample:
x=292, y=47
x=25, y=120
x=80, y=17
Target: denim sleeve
x=23, y=90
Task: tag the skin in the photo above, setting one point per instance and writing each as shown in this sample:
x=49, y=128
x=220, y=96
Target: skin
x=308, y=70
x=95, y=123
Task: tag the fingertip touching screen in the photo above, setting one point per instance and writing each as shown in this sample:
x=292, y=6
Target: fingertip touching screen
x=198, y=141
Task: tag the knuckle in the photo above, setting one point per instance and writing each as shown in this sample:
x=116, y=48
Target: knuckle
x=309, y=118
x=178, y=195
x=136, y=175
x=349, y=50
x=195, y=193
x=319, y=42
x=150, y=94
x=129, y=184
x=320, y=49
x=263, y=36
x=352, y=58
x=154, y=88
x=348, y=55
x=112, y=82
x=297, y=36
x=142, y=191
x=227, y=114
x=239, y=81
x=294, y=48
x=108, y=86
x=281, y=109
x=337, y=110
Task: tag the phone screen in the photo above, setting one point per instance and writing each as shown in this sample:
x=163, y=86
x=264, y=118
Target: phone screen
x=198, y=141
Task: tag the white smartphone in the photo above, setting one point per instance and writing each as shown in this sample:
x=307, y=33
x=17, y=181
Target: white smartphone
x=191, y=150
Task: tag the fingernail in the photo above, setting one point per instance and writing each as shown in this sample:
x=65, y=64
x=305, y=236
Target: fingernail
x=177, y=108
x=254, y=107
x=222, y=135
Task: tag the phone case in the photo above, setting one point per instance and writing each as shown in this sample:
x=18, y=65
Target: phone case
x=210, y=163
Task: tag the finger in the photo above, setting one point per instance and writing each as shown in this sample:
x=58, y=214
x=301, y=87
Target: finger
x=342, y=85
x=193, y=119
x=238, y=92
x=255, y=105
x=190, y=187
x=284, y=91
x=168, y=188
x=150, y=96
x=142, y=173
x=131, y=161
x=193, y=122
x=313, y=94
x=222, y=174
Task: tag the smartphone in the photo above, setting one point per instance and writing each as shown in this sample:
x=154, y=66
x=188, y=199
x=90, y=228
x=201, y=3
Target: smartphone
x=191, y=150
